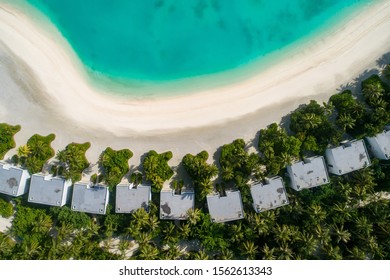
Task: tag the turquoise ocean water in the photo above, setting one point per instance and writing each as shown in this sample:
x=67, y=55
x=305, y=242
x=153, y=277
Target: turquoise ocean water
x=167, y=40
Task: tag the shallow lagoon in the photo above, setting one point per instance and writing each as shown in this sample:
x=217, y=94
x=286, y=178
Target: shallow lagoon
x=165, y=40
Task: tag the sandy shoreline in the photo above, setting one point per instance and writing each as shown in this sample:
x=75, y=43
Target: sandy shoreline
x=43, y=89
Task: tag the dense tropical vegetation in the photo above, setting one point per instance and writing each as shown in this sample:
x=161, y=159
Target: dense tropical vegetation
x=200, y=172
x=72, y=161
x=6, y=208
x=348, y=218
x=7, y=141
x=35, y=153
x=114, y=165
x=156, y=168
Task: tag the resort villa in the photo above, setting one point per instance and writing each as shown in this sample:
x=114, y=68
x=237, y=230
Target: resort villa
x=379, y=145
x=176, y=206
x=13, y=180
x=270, y=195
x=309, y=173
x=225, y=208
x=348, y=157
x=130, y=198
x=49, y=190
x=90, y=199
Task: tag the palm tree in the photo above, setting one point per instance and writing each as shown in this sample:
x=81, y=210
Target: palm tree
x=269, y=254
x=323, y=234
x=193, y=216
x=282, y=233
x=316, y=213
x=123, y=246
x=249, y=249
x=286, y=158
x=258, y=224
x=345, y=121
x=153, y=224
x=227, y=173
x=42, y=224
x=144, y=238
x=141, y=217
x=148, y=252
x=373, y=91
x=333, y=252
x=284, y=252
x=24, y=151
x=308, y=243
x=236, y=232
x=341, y=212
x=169, y=234
x=173, y=253
x=363, y=227
x=226, y=254
x=6, y=245
x=201, y=255
x=310, y=121
x=341, y=234
x=357, y=253
x=185, y=231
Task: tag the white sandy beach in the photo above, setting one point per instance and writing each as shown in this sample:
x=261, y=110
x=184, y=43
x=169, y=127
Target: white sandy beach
x=43, y=88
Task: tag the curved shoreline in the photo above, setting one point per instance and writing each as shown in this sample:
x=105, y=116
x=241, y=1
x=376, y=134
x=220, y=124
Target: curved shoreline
x=61, y=95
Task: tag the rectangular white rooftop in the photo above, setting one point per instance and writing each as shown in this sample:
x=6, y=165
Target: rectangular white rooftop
x=270, y=195
x=129, y=198
x=48, y=190
x=13, y=180
x=175, y=206
x=90, y=199
x=225, y=208
x=380, y=145
x=348, y=157
x=308, y=173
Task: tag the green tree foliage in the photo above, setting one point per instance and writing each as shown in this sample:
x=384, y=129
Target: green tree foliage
x=66, y=217
x=351, y=113
x=7, y=133
x=6, y=247
x=237, y=166
x=72, y=160
x=157, y=169
x=36, y=152
x=373, y=89
x=31, y=224
x=200, y=172
x=377, y=96
x=114, y=165
x=6, y=208
x=278, y=148
x=313, y=128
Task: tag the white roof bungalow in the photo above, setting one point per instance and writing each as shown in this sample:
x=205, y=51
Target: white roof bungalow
x=270, y=195
x=380, y=144
x=309, y=173
x=49, y=190
x=348, y=157
x=175, y=206
x=129, y=198
x=13, y=180
x=90, y=199
x=225, y=208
